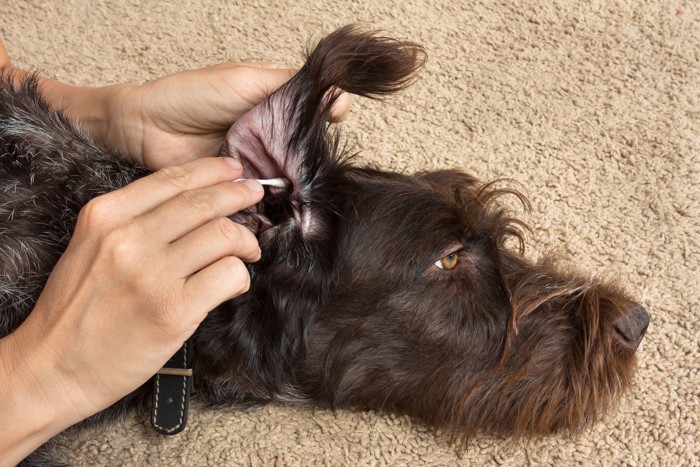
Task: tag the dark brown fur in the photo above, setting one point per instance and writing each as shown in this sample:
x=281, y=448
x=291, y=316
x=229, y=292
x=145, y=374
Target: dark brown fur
x=347, y=307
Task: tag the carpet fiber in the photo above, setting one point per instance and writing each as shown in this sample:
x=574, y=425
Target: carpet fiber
x=592, y=106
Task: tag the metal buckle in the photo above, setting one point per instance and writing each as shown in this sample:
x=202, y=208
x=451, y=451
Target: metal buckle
x=175, y=371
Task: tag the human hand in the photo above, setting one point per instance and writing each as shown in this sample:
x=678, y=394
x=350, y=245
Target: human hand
x=173, y=119
x=144, y=267
x=186, y=115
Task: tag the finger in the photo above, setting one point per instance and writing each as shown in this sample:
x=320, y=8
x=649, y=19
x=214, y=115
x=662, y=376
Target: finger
x=146, y=193
x=191, y=209
x=269, y=79
x=341, y=108
x=4, y=57
x=271, y=66
x=266, y=78
x=265, y=81
x=209, y=243
x=221, y=281
x=252, y=65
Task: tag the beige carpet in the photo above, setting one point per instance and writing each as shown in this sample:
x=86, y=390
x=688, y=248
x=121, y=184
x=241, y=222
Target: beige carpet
x=592, y=105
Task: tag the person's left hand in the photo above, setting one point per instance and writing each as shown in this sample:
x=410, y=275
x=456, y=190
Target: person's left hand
x=171, y=120
x=186, y=115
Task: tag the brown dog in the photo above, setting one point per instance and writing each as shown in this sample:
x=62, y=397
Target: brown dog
x=376, y=289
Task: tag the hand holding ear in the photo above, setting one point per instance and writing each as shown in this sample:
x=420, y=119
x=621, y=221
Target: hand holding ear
x=174, y=119
x=177, y=118
x=186, y=115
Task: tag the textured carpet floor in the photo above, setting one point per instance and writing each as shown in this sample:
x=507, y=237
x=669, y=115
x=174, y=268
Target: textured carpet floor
x=593, y=106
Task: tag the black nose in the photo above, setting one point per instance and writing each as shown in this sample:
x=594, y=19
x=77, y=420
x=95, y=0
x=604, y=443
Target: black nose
x=631, y=327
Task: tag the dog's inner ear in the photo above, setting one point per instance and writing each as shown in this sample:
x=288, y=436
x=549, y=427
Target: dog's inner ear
x=261, y=142
x=286, y=135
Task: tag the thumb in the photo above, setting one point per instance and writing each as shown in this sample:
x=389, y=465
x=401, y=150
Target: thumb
x=268, y=77
x=258, y=80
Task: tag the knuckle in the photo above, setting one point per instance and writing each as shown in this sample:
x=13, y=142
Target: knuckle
x=168, y=313
x=95, y=213
x=229, y=230
x=123, y=246
x=176, y=175
x=198, y=200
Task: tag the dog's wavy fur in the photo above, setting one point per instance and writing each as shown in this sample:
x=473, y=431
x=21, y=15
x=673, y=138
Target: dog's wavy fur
x=347, y=307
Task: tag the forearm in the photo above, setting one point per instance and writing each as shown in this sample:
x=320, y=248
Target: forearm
x=92, y=108
x=34, y=405
x=87, y=105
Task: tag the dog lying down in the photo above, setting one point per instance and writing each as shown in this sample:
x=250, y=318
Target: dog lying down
x=376, y=290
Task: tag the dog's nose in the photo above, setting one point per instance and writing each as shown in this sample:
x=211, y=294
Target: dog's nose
x=630, y=328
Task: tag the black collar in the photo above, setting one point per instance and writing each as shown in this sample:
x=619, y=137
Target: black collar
x=171, y=392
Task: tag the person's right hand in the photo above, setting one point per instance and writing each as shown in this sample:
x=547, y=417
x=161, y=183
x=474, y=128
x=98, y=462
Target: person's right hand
x=144, y=267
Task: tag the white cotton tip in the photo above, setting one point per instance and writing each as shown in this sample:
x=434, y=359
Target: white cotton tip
x=275, y=182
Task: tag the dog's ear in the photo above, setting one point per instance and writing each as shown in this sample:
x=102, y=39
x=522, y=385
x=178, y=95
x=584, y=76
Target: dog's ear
x=286, y=135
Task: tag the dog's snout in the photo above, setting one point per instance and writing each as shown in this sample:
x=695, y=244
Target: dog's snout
x=630, y=328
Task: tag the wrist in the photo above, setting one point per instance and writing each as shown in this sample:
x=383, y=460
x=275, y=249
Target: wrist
x=100, y=112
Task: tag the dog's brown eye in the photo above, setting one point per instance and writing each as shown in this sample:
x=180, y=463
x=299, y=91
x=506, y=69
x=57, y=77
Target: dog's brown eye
x=448, y=262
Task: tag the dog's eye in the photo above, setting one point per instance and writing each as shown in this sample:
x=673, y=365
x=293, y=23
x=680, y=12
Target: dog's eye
x=448, y=262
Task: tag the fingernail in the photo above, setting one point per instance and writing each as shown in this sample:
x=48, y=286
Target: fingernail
x=252, y=184
x=233, y=163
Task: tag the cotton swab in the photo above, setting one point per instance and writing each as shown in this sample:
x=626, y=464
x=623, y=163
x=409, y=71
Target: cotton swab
x=274, y=182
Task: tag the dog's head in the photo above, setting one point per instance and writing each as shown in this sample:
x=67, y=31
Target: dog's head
x=408, y=292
